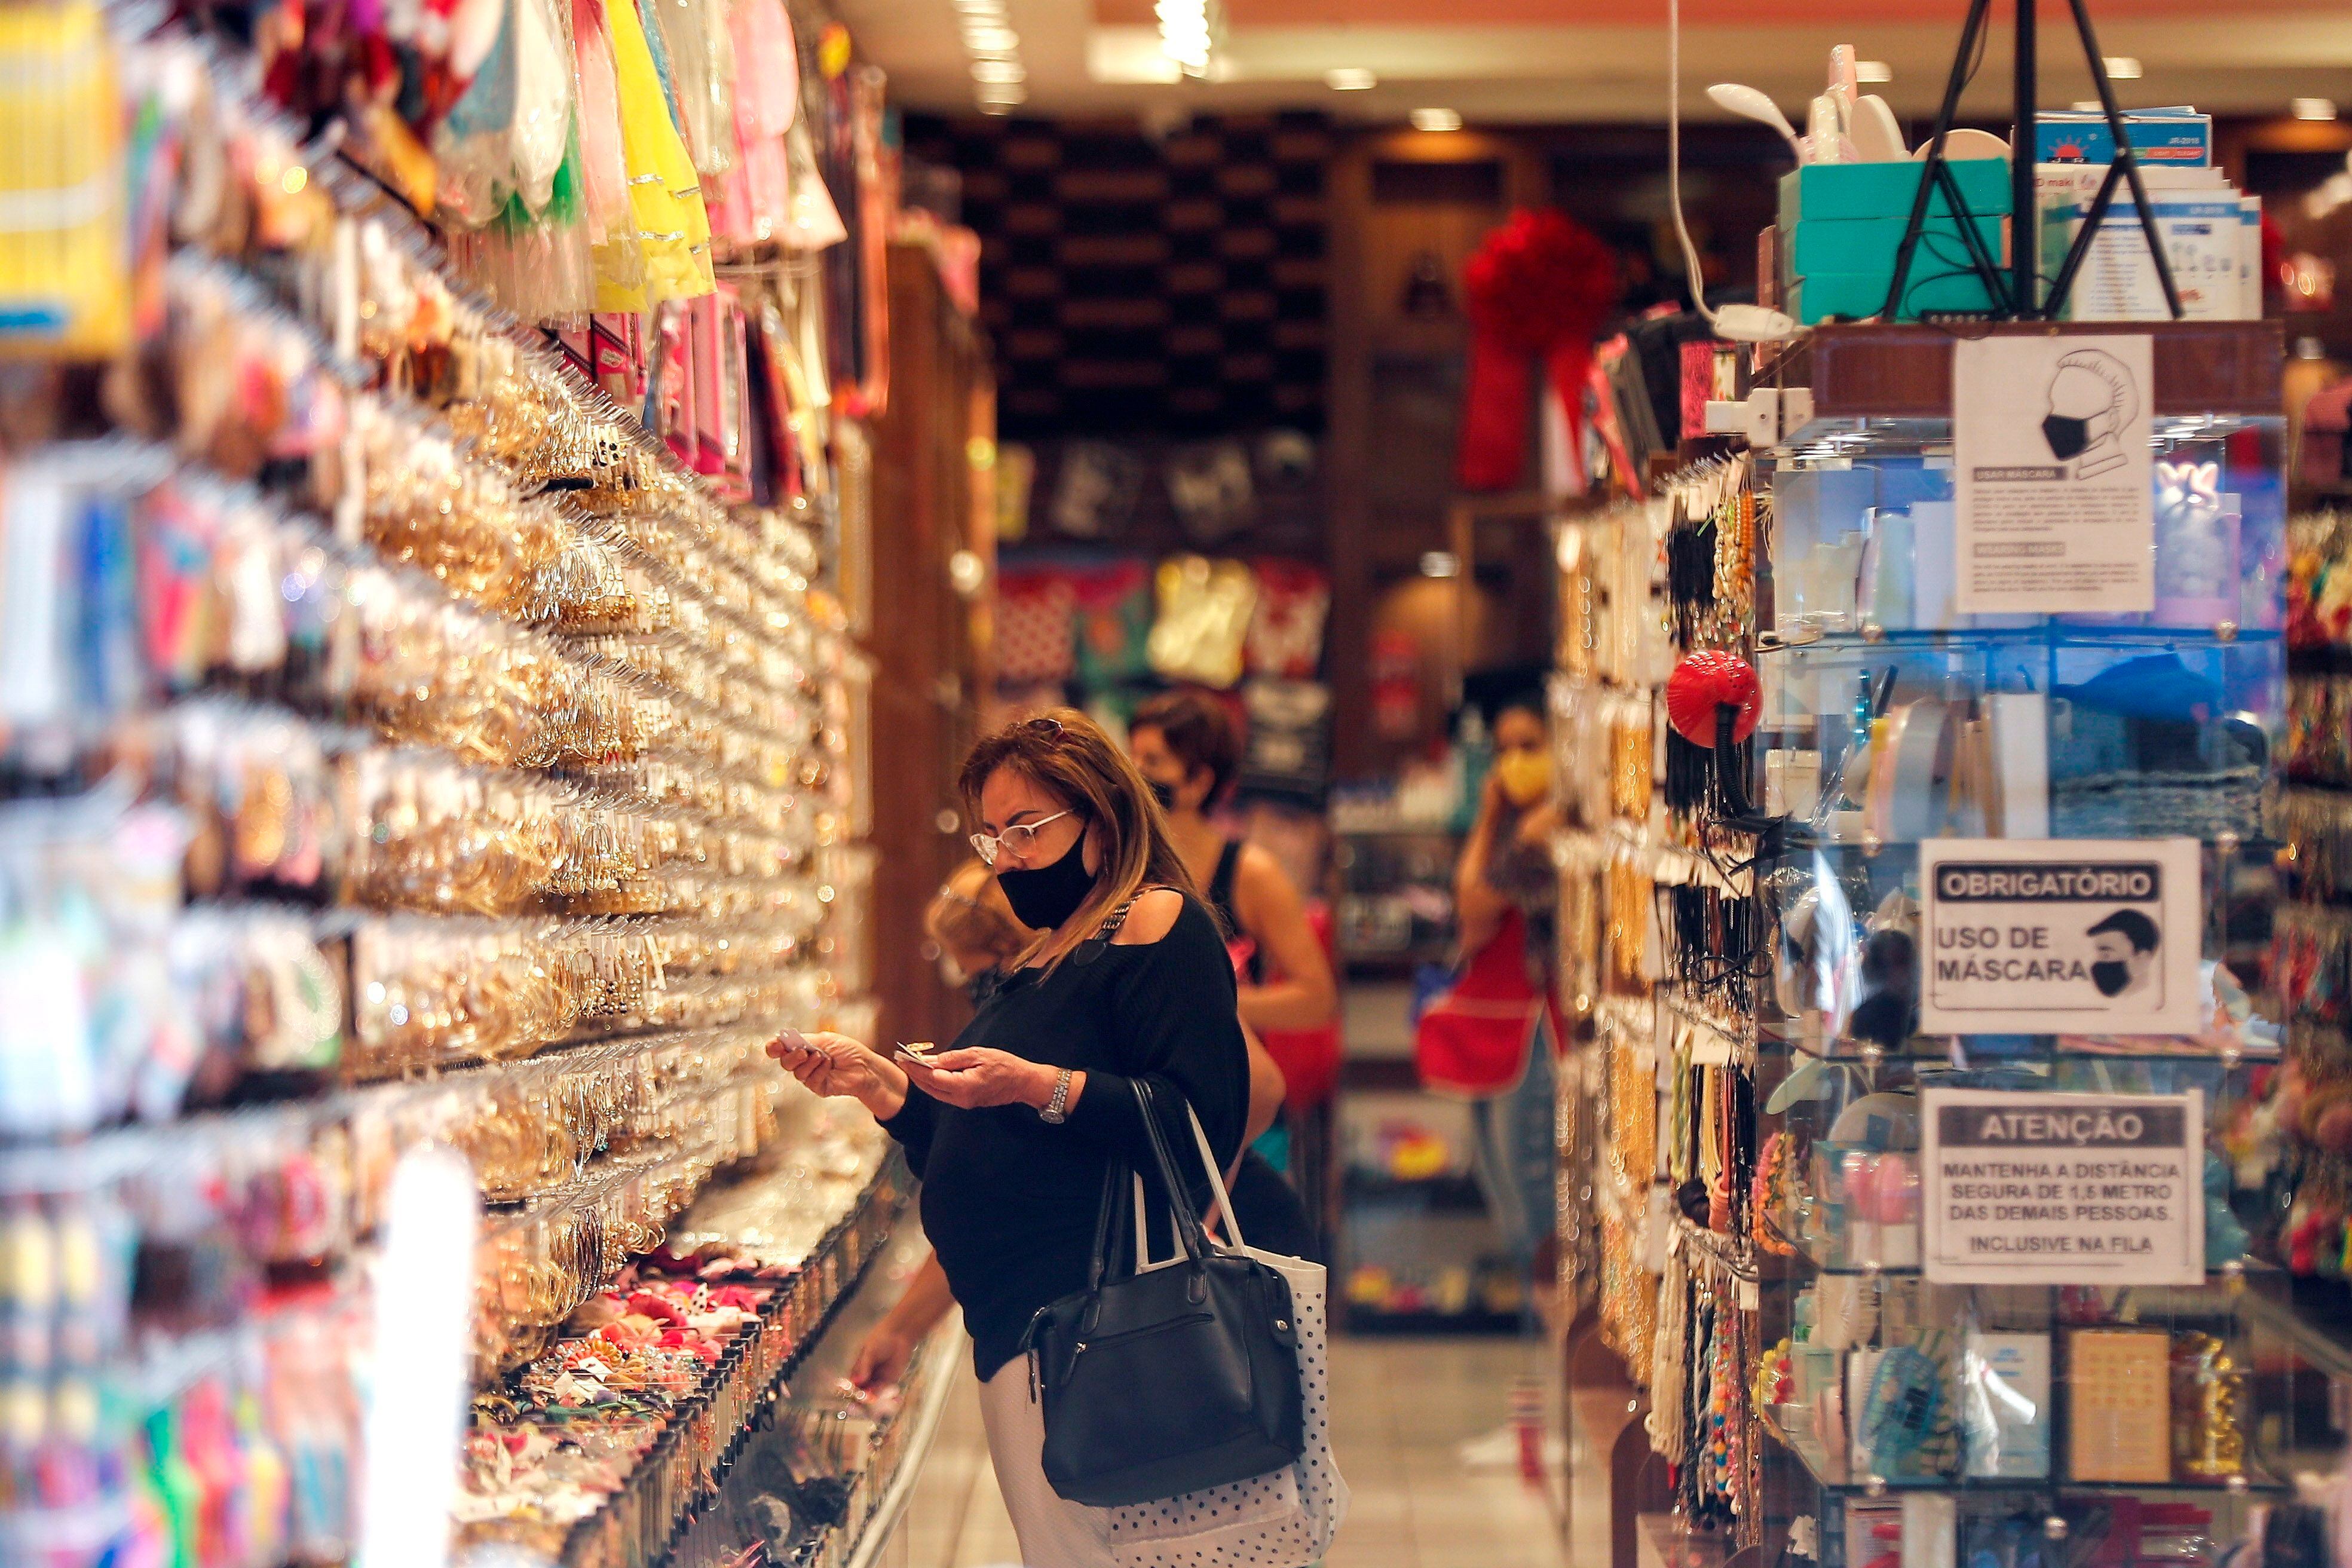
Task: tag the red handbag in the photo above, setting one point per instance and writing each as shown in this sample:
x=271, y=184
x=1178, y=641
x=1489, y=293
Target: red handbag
x=1473, y=1038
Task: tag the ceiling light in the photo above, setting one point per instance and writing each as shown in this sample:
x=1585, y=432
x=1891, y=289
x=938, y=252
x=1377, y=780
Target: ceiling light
x=1873, y=70
x=1350, y=78
x=994, y=49
x=1188, y=33
x=2312, y=108
x=1436, y=120
x=2122, y=68
x=1441, y=563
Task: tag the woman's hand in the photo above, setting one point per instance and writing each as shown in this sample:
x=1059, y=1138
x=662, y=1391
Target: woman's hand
x=838, y=1067
x=977, y=1075
x=882, y=1357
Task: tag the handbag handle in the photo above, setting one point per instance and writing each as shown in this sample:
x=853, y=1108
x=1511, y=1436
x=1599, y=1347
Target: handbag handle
x=1180, y=1196
x=1224, y=1204
x=1105, y=1214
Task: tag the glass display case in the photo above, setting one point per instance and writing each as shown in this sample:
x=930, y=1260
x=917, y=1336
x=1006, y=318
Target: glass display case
x=1969, y=1038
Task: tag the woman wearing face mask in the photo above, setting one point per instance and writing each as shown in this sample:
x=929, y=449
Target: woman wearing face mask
x=978, y=935
x=1186, y=746
x=1188, y=751
x=1506, y=863
x=1013, y=1129
x=1488, y=1036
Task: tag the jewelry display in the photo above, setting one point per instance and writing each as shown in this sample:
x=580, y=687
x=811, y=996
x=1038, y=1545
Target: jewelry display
x=409, y=746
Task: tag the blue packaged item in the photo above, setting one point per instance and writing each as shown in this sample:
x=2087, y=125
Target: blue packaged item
x=2175, y=138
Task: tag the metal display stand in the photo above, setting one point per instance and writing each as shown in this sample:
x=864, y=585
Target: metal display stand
x=2018, y=297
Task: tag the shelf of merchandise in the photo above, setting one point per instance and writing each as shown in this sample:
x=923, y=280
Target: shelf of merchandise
x=1881, y=402
x=718, y=1528
x=1837, y=1477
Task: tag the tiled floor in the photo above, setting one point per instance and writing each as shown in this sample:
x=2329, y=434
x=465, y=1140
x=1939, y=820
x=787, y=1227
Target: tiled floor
x=1402, y=1410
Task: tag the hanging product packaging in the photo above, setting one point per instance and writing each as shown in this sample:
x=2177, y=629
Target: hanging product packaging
x=1204, y=614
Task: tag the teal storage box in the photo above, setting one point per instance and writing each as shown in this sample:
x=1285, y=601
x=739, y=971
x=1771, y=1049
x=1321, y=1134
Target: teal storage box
x=1867, y=245
x=1886, y=190
x=1814, y=300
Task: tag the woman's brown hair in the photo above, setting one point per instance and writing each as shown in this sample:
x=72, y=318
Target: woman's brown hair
x=1067, y=754
x=1197, y=731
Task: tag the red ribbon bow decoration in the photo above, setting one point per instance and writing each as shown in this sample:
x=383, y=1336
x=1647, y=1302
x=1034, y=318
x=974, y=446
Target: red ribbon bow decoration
x=1538, y=287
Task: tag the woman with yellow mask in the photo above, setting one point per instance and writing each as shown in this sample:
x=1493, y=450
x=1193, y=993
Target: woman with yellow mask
x=1489, y=1036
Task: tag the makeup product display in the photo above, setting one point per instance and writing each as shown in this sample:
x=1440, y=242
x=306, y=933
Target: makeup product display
x=425, y=731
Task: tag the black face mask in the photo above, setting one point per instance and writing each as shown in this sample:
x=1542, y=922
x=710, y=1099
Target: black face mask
x=1162, y=792
x=1044, y=897
x=2111, y=976
x=2067, y=437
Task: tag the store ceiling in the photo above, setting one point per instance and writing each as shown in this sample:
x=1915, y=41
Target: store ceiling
x=1567, y=60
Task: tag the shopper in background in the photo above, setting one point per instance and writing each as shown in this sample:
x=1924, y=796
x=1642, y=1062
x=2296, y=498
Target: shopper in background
x=974, y=927
x=1488, y=1035
x=1190, y=751
x=1014, y=1131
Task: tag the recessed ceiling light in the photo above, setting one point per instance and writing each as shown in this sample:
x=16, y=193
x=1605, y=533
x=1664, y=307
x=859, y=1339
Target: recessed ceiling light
x=991, y=40
x=1436, y=120
x=1873, y=70
x=2122, y=68
x=1188, y=33
x=998, y=71
x=2312, y=108
x=1350, y=78
x=1441, y=563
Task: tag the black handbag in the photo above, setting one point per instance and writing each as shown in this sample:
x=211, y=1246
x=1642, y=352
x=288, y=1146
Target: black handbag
x=1171, y=1379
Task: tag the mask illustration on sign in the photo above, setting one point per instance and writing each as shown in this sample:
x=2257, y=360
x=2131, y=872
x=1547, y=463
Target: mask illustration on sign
x=2091, y=400
x=2124, y=952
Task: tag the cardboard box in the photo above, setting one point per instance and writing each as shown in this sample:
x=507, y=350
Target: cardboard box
x=1816, y=298
x=1867, y=245
x=2179, y=137
x=1886, y=190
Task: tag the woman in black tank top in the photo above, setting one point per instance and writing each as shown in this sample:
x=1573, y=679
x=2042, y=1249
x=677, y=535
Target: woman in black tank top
x=1187, y=751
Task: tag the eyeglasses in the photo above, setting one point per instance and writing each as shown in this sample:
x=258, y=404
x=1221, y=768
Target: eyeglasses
x=1019, y=838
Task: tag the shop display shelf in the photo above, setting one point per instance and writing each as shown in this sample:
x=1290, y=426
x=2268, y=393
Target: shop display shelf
x=882, y=1464
x=1840, y=1478
x=1837, y=1477
x=1886, y=373
x=707, y=1430
x=1815, y=1255
x=2053, y=634
x=2024, y=1050
x=1804, y=837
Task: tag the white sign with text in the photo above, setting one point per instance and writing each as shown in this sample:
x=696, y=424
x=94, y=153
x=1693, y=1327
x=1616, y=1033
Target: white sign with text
x=2090, y=1189
x=2052, y=936
x=2050, y=466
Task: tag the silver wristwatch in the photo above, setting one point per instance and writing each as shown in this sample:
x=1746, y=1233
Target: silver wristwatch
x=1058, y=1109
